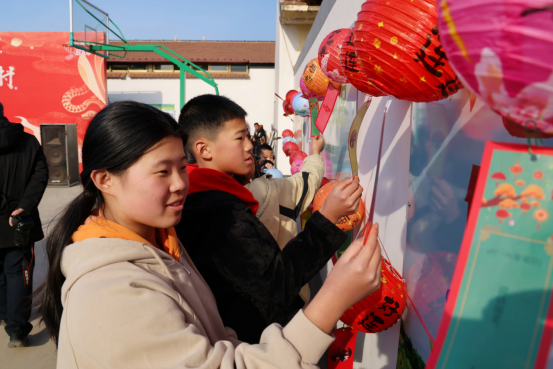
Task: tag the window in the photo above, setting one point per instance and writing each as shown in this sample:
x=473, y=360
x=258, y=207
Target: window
x=163, y=68
x=143, y=68
x=218, y=68
x=239, y=68
x=119, y=67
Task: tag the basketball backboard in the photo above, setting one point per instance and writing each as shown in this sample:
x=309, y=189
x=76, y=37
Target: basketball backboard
x=90, y=26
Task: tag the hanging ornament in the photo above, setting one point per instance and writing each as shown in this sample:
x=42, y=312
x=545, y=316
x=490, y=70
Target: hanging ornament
x=287, y=133
x=352, y=68
x=342, y=350
x=397, y=43
x=287, y=107
x=288, y=139
x=383, y=308
x=289, y=148
x=297, y=165
x=307, y=93
x=297, y=155
x=329, y=55
x=290, y=94
x=314, y=78
x=502, y=52
x=300, y=105
x=347, y=222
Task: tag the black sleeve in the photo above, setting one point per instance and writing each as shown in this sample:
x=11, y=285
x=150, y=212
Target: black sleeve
x=37, y=184
x=247, y=255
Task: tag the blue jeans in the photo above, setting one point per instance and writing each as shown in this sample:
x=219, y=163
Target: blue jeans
x=16, y=288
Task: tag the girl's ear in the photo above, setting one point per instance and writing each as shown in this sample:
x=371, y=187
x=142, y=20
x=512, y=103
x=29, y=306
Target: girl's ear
x=202, y=149
x=103, y=180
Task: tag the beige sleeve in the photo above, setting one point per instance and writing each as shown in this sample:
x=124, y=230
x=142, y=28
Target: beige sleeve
x=314, y=166
x=126, y=318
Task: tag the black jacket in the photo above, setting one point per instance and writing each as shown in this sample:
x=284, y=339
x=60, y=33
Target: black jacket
x=23, y=178
x=254, y=282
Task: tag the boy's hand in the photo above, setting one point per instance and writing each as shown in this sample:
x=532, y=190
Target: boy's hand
x=355, y=276
x=343, y=200
x=318, y=145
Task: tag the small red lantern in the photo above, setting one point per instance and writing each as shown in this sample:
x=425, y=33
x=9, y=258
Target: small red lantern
x=329, y=55
x=290, y=94
x=344, y=223
x=352, y=68
x=289, y=147
x=383, y=308
x=287, y=133
x=297, y=155
x=398, y=45
x=288, y=109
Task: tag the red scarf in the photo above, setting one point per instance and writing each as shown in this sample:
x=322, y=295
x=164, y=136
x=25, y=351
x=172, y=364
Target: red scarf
x=204, y=179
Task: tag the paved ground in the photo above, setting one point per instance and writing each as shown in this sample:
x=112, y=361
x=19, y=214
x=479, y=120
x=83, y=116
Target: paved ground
x=41, y=353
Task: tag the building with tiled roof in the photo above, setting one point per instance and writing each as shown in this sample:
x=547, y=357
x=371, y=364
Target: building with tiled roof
x=243, y=70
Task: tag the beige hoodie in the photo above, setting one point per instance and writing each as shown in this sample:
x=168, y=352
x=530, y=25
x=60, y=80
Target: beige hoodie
x=130, y=305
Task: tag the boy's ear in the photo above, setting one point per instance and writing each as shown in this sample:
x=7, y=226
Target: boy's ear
x=103, y=180
x=202, y=149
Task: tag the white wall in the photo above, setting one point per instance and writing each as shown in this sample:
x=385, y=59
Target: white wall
x=289, y=43
x=255, y=94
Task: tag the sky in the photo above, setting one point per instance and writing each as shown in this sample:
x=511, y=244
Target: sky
x=235, y=20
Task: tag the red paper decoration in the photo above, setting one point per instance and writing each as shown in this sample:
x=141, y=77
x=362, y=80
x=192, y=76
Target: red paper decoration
x=344, y=223
x=287, y=133
x=297, y=155
x=341, y=352
x=383, y=308
x=289, y=148
x=398, y=45
x=314, y=78
x=329, y=55
x=352, y=68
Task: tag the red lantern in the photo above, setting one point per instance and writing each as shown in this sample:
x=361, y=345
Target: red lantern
x=289, y=148
x=329, y=55
x=352, y=68
x=398, y=45
x=383, y=308
x=314, y=78
x=287, y=107
x=290, y=94
x=287, y=133
x=297, y=155
x=344, y=223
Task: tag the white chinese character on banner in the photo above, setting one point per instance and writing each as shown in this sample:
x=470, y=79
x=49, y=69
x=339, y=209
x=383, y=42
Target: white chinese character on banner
x=8, y=75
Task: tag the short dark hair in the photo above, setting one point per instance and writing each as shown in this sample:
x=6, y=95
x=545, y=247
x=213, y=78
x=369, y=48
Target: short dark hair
x=206, y=115
x=256, y=124
x=262, y=147
x=1, y=110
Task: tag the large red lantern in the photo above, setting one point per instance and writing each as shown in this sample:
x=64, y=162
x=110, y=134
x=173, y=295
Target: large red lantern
x=352, y=68
x=383, y=308
x=314, y=78
x=347, y=222
x=398, y=45
x=289, y=147
x=329, y=55
x=297, y=155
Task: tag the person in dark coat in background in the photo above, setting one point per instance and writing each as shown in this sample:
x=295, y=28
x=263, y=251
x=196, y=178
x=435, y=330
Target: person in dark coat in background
x=259, y=136
x=23, y=179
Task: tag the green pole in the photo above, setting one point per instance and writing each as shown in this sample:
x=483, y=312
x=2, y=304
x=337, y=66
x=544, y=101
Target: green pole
x=182, y=89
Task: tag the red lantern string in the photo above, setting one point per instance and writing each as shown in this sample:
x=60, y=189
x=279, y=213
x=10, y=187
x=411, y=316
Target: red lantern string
x=398, y=46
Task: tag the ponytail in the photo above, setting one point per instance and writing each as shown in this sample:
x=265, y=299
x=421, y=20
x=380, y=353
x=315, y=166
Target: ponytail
x=115, y=139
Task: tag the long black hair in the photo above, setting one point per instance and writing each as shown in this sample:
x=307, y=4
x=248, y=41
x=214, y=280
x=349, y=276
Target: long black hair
x=115, y=139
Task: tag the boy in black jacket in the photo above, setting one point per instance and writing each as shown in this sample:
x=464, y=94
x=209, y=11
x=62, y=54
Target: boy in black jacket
x=254, y=283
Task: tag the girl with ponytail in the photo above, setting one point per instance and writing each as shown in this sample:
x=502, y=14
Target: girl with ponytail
x=121, y=291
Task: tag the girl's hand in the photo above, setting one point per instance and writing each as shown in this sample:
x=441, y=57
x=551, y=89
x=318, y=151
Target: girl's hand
x=318, y=145
x=355, y=276
x=343, y=199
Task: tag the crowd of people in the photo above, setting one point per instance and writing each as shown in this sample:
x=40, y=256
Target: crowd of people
x=181, y=253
